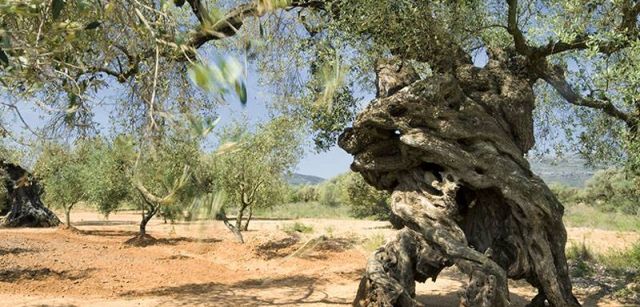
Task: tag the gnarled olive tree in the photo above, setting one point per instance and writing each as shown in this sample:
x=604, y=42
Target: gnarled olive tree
x=24, y=208
x=447, y=138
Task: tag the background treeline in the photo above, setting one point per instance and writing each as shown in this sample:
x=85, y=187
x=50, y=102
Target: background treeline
x=349, y=190
x=610, y=190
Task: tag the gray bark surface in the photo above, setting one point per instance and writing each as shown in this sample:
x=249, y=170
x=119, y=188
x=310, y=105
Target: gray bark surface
x=25, y=209
x=451, y=149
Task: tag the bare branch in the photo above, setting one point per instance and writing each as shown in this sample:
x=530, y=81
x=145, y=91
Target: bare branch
x=627, y=26
x=234, y=19
x=198, y=10
x=555, y=77
x=512, y=27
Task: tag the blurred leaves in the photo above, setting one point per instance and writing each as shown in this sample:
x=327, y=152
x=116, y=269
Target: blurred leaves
x=222, y=77
x=56, y=8
x=3, y=58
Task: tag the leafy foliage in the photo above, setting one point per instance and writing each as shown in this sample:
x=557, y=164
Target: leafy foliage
x=62, y=172
x=107, y=173
x=4, y=198
x=252, y=174
x=612, y=190
x=297, y=227
x=363, y=199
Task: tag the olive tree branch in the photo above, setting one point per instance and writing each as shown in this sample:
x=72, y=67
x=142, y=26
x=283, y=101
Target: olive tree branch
x=554, y=76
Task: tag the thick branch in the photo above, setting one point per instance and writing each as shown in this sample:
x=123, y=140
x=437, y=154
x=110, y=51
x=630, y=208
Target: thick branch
x=234, y=19
x=198, y=10
x=512, y=27
x=627, y=26
x=555, y=78
x=150, y=198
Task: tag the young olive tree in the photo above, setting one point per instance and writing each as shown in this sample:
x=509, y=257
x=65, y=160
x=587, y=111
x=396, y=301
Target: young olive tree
x=107, y=181
x=252, y=175
x=61, y=171
x=364, y=200
x=161, y=178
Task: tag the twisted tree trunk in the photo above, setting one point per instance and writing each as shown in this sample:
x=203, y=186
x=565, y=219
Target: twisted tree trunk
x=25, y=207
x=451, y=150
x=246, y=225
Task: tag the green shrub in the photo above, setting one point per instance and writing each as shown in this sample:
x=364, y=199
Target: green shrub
x=4, y=198
x=567, y=195
x=583, y=215
x=297, y=227
x=622, y=261
x=303, y=210
x=363, y=199
x=374, y=242
x=613, y=190
x=329, y=194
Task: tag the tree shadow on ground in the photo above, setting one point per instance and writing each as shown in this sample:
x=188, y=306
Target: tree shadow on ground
x=108, y=233
x=277, y=248
x=380, y=227
x=337, y=244
x=148, y=240
x=174, y=241
x=453, y=299
x=104, y=223
x=291, y=290
x=193, y=220
x=604, y=287
x=16, y=274
x=16, y=251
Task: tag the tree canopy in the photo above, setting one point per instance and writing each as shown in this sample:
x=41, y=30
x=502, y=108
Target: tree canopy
x=582, y=56
x=252, y=174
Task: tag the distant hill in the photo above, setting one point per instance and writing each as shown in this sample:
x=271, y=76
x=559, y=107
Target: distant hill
x=570, y=171
x=301, y=179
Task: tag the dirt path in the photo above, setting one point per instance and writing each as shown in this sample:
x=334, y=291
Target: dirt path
x=199, y=264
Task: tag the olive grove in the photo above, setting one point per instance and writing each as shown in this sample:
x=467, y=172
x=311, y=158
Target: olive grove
x=446, y=136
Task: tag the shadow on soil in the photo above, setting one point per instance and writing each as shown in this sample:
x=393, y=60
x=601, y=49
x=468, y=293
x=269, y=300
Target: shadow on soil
x=147, y=240
x=17, y=274
x=292, y=290
x=16, y=251
x=453, y=299
x=108, y=233
x=104, y=223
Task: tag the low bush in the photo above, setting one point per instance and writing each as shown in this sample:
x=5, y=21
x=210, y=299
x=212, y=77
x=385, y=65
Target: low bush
x=297, y=227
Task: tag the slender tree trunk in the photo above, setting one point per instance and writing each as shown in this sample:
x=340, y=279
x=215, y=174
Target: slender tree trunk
x=246, y=225
x=222, y=215
x=150, y=213
x=67, y=217
x=451, y=150
x=153, y=209
x=240, y=216
x=25, y=206
x=67, y=214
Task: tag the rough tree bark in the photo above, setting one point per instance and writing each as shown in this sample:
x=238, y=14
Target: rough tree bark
x=222, y=215
x=25, y=209
x=146, y=217
x=451, y=150
x=246, y=224
x=67, y=215
x=240, y=215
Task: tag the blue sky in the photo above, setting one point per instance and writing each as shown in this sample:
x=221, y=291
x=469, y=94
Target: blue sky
x=324, y=164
